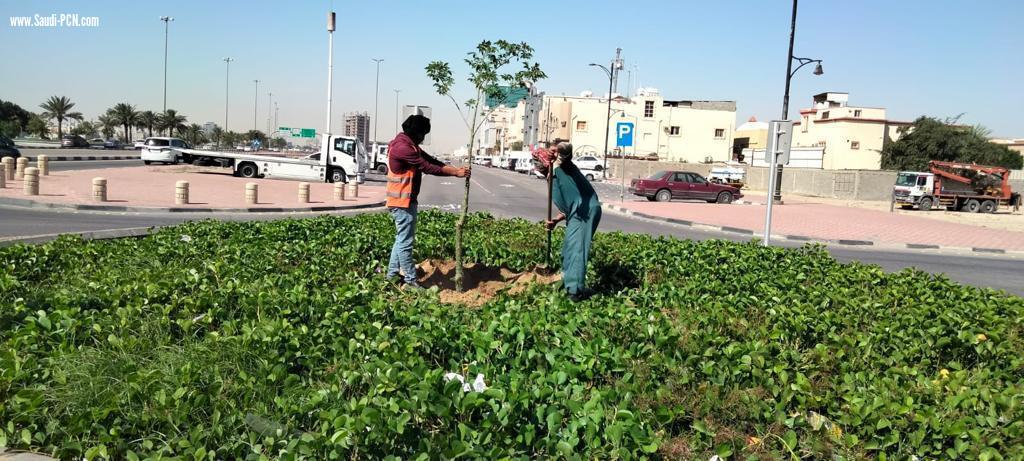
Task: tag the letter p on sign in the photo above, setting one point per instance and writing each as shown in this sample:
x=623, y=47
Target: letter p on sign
x=624, y=134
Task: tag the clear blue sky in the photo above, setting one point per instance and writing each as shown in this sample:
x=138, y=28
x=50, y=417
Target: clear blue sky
x=913, y=57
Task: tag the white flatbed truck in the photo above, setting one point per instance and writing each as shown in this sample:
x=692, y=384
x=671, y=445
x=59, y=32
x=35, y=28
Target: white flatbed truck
x=345, y=161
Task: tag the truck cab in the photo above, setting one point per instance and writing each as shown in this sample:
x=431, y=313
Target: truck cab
x=378, y=158
x=911, y=186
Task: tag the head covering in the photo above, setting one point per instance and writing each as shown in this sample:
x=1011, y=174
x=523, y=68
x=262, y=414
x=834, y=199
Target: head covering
x=543, y=157
x=416, y=127
x=564, y=150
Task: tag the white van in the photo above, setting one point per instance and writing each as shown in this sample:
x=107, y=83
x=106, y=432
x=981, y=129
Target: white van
x=162, y=149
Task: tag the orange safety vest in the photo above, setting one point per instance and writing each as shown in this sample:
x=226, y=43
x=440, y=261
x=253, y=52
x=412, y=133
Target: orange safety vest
x=399, y=191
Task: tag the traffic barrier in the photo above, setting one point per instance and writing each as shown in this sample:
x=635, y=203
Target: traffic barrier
x=99, y=189
x=19, y=172
x=353, y=189
x=181, y=193
x=9, y=167
x=339, y=191
x=31, y=176
x=252, y=193
x=303, y=192
x=43, y=163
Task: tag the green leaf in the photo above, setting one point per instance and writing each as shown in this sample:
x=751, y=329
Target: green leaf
x=790, y=439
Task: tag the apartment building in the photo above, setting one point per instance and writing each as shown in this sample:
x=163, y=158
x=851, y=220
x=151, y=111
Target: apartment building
x=357, y=124
x=852, y=137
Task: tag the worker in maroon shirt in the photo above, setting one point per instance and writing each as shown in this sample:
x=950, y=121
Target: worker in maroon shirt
x=406, y=165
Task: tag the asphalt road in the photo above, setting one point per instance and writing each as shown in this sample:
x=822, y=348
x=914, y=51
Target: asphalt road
x=508, y=194
x=92, y=164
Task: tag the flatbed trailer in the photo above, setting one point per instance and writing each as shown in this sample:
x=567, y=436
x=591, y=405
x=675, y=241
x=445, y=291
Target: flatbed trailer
x=345, y=161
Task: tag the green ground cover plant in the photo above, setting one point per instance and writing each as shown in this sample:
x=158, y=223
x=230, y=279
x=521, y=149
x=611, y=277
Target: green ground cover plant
x=283, y=340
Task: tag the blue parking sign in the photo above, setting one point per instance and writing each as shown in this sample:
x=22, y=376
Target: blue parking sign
x=624, y=134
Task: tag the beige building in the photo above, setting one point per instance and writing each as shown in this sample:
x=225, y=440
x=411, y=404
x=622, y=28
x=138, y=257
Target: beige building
x=852, y=137
x=1016, y=144
x=750, y=135
x=671, y=130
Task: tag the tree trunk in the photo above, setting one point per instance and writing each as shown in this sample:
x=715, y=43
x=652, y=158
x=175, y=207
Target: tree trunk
x=60, y=134
x=461, y=223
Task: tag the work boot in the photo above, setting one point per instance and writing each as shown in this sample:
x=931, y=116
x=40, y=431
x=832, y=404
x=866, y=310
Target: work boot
x=413, y=287
x=581, y=295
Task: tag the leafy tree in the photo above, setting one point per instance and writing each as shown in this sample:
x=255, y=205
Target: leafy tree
x=216, y=135
x=108, y=124
x=932, y=139
x=256, y=135
x=13, y=118
x=148, y=119
x=37, y=126
x=171, y=122
x=517, y=145
x=487, y=76
x=126, y=116
x=86, y=128
x=230, y=139
x=194, y=134
x=278, y=143
x=59, y=108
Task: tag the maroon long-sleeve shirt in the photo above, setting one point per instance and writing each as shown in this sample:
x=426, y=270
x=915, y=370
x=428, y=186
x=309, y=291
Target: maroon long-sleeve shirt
x=404, y=154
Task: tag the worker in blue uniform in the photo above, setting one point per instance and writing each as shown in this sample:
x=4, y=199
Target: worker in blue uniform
x=580, y=208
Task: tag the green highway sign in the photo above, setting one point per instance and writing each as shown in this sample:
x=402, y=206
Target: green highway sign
x=298, y=132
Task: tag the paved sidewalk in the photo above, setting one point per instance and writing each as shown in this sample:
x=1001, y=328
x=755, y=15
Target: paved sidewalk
x=833, y=223
x=209, y=188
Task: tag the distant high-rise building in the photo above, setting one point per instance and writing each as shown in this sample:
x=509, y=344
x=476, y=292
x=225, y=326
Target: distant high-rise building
x=208, y=128
x=357, y=124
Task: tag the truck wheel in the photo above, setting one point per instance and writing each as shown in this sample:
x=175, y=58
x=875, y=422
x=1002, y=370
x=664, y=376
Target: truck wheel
x=248, y=170
x=663, y=195
x=724, y=197
x=338, y=175
x=925, y=204
x=989, y=206
x=590, y=177
x=972, y=206
x=382, y=169
x=147, y=162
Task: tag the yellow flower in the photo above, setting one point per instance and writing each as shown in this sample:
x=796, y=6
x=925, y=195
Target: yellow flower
x=944, y=373
x=835, y=431
x=982, y=337
x=753, y=440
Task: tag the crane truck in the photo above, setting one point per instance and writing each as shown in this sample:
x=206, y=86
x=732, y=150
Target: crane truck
x=340, y=159
x=956, y=186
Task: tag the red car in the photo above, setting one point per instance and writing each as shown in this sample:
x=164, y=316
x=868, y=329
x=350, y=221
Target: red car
x=667, y=185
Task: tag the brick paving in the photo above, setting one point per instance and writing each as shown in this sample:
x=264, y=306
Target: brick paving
x=830, y=222
x=154, y=186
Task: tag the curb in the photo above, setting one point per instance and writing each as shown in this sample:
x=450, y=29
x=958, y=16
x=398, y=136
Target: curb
x=26, y=203
x=72, y=158
x=803, y=238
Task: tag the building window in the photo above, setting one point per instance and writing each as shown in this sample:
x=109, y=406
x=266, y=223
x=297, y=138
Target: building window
x=856, y=112
x=803, y=124
x=719, y=133
x=648, y=109
x=563, y=124
x=581, y=126
x=673, y=131
x=855, y=145
x=824, y=115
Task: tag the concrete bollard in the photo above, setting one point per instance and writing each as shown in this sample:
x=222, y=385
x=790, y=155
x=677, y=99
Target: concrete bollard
x=19, y=171
x=252, y=192
x=181, y=193
x=99, y=189
x=31, y=186
x=43, y=163
x=3, y=175
x=339, y=191
x=353, y=189
x=303, y=192
x=9, y=167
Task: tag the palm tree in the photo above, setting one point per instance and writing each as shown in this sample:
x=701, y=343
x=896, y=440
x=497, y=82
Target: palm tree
x=216, y=134
x=59, y=108
x=194, y=134
x=171, y=121
x=147, y=119
x=108, y=124
x=127, y=117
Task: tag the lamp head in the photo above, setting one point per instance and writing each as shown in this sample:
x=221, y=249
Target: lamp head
x=818, y=70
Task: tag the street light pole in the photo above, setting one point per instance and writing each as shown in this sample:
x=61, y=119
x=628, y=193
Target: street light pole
x=777, y=189
x=167, y=21
x=376, y=94
x=270, y=97
x=608, y=114
x=255, y=103
x=227, y=86
x=397, y=120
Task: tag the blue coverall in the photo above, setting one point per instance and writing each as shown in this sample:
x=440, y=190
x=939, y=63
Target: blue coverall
x=577, y=200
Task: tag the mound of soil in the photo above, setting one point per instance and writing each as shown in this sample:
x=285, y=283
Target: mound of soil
x=480, y=283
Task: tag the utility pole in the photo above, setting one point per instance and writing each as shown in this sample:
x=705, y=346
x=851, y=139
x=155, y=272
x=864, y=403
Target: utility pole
x=270, y=97
x=227, y=88
x=167, y=21
x=255, y=104
x=330, y=70
x=398, y=121
x=376, y=93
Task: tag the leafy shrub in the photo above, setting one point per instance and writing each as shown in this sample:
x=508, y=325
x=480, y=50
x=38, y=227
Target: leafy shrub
x=282, y=340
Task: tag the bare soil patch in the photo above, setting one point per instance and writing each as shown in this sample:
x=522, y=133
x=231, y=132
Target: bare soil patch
x=481, y=283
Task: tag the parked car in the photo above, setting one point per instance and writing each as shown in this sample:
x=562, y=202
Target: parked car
x=592, y=174
x=97, y=143
x=667, y=185
x=138, y=145
x=589, y=162
x=112, y=144
x=163, y=149
x=7, y=148
x=73, y=140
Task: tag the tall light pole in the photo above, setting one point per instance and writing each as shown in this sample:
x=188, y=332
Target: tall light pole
x=376, y=93
x=608, y=115
x=270, y=98
x=255, y=104
x=330, y=71
x=777, y=193
x=397, y=120
x=227, y=90
x=167, y=21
